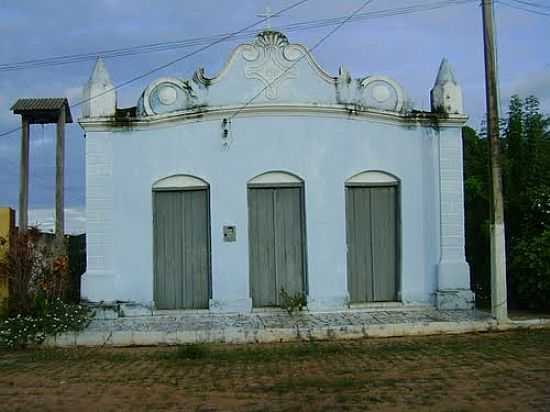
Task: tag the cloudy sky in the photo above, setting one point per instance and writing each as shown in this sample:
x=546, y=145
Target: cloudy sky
x=407, y=47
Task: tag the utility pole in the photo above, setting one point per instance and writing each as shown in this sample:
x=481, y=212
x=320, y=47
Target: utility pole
x=499, y=304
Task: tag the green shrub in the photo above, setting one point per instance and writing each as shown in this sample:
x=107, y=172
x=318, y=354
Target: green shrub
x=48, y=318
x=530, y=271
x=33, y=270
x=38, y=282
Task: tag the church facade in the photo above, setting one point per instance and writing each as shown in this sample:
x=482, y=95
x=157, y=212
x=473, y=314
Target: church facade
x=274, y=179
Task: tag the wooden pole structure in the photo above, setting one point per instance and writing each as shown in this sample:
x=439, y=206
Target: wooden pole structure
x=44, y=111
x=499, y=304
x=60, y=184
x=24, y=176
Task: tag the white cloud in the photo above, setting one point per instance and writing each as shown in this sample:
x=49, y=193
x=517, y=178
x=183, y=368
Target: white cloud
x=44, y=219
x=536, y=84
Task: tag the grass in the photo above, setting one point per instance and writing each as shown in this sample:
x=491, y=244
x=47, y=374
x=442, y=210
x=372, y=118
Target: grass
x=247, y=353
x=317, y=383
x=191, y=351
x=439, y=372
x=492, y=345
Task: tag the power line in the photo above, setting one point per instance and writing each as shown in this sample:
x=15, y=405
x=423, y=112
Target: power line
x=167, y=46
x=531, y=4
x=321, y=41
x=170, y=63
x=518, y=7
x=294, y=27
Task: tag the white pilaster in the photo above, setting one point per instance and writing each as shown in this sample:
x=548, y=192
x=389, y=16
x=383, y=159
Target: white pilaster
x=98, y=283
x=453, y=270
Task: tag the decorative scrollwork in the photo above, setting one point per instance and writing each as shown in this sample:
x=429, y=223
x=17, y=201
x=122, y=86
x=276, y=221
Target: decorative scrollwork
x=270, y=59
x=168, y=95
x=266, y=68
x=382, y=93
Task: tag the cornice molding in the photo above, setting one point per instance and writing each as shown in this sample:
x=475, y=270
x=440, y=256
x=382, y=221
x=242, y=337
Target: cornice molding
x=343, y=112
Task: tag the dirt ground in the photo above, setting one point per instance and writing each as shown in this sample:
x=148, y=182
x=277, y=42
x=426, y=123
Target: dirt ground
x=501, y=372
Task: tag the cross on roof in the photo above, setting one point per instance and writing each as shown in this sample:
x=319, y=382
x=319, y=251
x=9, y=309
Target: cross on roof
x=268, y=15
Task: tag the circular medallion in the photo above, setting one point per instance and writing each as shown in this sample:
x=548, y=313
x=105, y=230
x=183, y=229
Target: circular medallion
x=167, y=95
x=381, y=93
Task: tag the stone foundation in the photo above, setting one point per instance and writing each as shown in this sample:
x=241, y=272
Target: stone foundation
x=181, y=327
x=459, y=299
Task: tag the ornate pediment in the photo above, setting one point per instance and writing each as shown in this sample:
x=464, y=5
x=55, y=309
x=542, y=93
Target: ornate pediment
x=271, y=60
x=270, y=71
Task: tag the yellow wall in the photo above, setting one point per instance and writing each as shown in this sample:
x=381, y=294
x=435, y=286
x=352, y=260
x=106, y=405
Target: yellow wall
x=7, y=225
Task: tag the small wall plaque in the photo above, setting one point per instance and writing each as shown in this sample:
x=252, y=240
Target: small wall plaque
x=229, y=233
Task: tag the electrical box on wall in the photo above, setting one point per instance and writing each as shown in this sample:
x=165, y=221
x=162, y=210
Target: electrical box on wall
x=229, y=233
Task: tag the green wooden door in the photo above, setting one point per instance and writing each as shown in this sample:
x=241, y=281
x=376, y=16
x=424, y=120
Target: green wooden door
x=181, y=249
x=371, y=220
x=276, y=237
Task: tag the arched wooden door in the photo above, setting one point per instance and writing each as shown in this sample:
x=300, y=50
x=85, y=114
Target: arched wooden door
x=372, y=237
x=276, y=238
x=181, y=230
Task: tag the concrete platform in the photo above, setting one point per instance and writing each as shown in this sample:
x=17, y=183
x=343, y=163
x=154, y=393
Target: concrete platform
x=181, y=327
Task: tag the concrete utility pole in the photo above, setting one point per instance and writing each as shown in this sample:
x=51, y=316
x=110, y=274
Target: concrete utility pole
x=499, y=304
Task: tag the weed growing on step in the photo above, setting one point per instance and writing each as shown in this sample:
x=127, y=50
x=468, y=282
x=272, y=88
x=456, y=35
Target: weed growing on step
x=292, y=303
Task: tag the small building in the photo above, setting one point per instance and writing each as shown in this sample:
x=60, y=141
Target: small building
x=221, y=192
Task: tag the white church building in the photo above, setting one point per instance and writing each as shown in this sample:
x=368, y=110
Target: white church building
x=218, y=193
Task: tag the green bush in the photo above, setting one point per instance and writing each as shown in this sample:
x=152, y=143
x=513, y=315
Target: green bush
x=48, y=318
x=38, y=282
x=530, y=271
x=33, y=270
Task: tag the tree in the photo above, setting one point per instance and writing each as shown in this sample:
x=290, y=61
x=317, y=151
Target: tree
x=526, y=177
x=514, y=167
x=534, y=134
x=476, y=194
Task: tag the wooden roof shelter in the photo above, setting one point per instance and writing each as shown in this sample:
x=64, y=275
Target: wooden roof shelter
x=43, y=111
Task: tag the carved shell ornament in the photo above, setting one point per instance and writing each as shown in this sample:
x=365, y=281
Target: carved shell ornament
x=271, y=61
